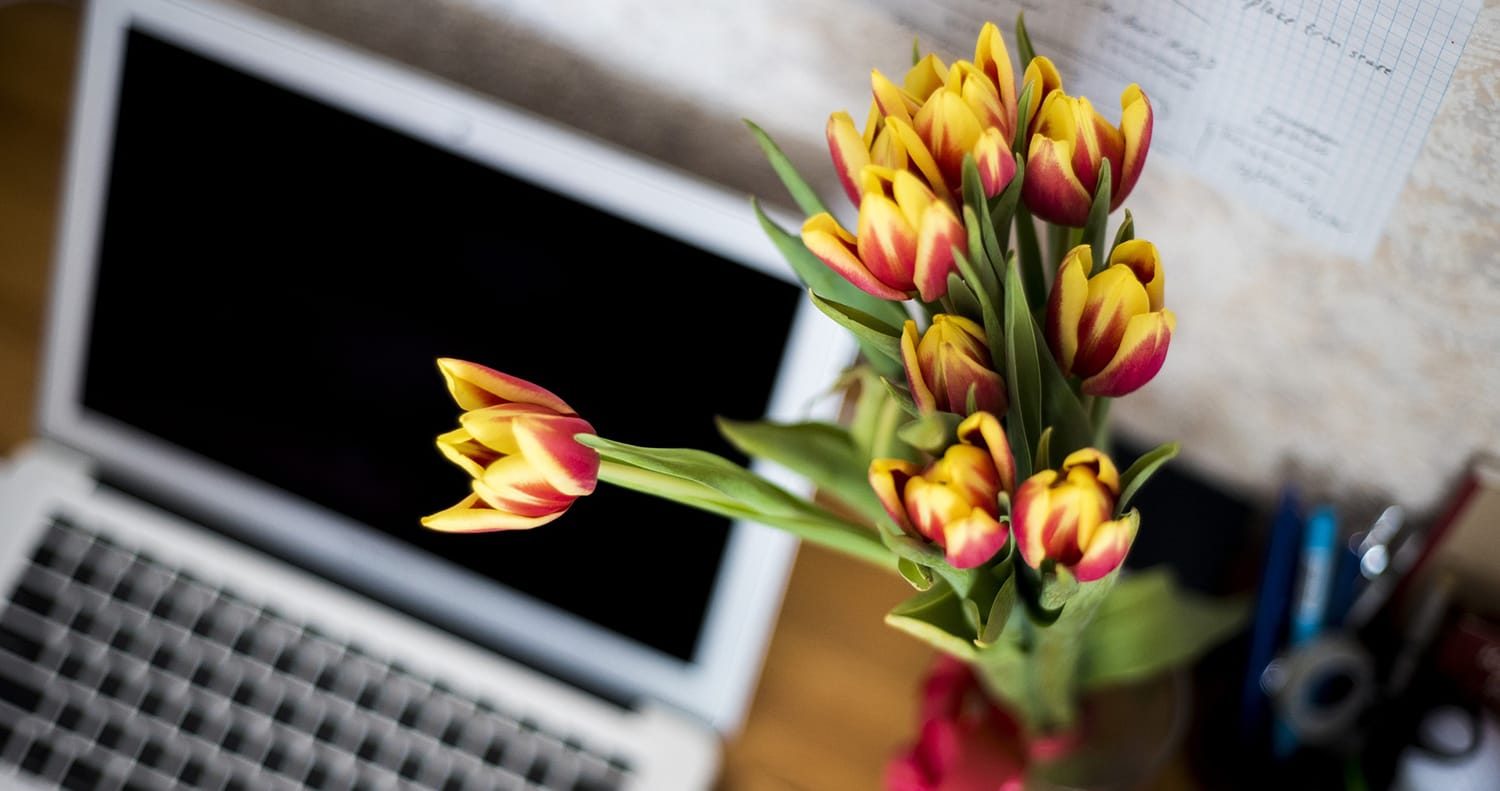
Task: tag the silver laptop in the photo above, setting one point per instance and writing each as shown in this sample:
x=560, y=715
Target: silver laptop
x=212, y=563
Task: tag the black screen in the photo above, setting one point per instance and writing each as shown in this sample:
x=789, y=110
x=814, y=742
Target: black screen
x=277, y=278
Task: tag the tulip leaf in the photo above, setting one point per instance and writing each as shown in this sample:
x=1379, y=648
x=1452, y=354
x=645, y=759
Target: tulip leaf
x=813, y=524
x=884, y=441
x=960, y=580
x=994, y=332
x=874, y=336
x=816, y=275
x=932, y=432
x=1000, y=610
x=1044, y=450
x=1029, y=589
x=1023, y=121
x=1140, y=471
x=1098, y=221
x=1023, y=373
x=1149, y=624
x=965, y=303
x=1003, y=214
x=1023, y=40
x=987, y=244
x=937, y=618
x=919, y=576
x=1124, y=233
x=1029, y=251
x=806, y=197
x=823, y=453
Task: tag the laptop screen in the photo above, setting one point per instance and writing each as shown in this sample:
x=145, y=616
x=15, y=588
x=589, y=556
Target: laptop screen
x=275, y=279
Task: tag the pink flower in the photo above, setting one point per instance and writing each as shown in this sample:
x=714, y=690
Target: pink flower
x=966, y=742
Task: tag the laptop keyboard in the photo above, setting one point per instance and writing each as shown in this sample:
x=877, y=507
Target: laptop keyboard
x=120, y=672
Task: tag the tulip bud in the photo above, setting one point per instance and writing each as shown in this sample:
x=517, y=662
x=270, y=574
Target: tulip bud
x=951, y=358
x=1064, y=516
x=954, y=502
x=1110, y=329
x=905, y=239
x=516, y=440
x=1068, y=143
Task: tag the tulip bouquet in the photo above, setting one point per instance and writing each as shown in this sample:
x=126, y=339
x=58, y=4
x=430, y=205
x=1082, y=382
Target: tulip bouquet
x=997, y=319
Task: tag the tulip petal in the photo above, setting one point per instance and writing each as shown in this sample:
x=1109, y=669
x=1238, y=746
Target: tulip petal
x=950, y=130
x=515, y=486
x=849, y=151
x=984, y=429
x=916, y=376
x=1070, y=292
x=476, y=386
x=493, y=426
x=547, y=443
x=973, y=540
x=1029, y=513
x=887, y=242
x=1136, y=119
x=893, y=100
x=471, y=516
x=1145, y=261
x=835, y=247
x=889, y=477
x=964, y=372
x=939, y=233
x=933, y=505
x=1115, y=298
x=1143, y=349
x=996, y=163
x=1108, y=547
x=1050, y=189
x=917, y=153
x=460, y=447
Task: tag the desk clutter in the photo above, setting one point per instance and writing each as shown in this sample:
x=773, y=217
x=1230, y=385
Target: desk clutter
x=1373, y=659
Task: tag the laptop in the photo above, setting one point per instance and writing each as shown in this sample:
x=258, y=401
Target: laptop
x=213, y=569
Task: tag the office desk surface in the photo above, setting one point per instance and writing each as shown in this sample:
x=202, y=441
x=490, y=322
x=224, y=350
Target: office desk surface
x=838, y=693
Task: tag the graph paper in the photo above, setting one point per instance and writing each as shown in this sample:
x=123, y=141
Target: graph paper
x=1312, y=111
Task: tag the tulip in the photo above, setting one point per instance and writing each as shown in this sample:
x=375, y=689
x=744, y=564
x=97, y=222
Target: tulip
x=966, y=743
x=516, y=441
x=1064, y=516
x=954, y=501
x=1068, y=143
x=905, y=239
x=1110, y=329
x=967, y=116
x=889, y=139
x=950, y=358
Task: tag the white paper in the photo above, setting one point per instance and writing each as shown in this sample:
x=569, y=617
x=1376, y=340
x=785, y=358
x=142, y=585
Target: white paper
x=1312, y=111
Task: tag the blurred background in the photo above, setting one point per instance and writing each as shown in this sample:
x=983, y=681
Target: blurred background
x=1361, y=382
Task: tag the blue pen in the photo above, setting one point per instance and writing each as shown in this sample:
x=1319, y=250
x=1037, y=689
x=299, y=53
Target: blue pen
x=1272, y=608
x=1314, y=586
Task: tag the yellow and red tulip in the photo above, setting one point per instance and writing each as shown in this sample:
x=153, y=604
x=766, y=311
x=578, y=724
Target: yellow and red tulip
x=946, y=361
x=1064, y=515
x=954, y=501
x=516, y=440
x=965, y=116
x=1068, y=142
x=1111, y=329
x=905, y=239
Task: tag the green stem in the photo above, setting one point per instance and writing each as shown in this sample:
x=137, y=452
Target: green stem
x=814, y=524
x=1098, y=408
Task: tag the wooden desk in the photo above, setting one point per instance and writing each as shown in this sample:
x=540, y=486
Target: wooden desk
x=838, y=692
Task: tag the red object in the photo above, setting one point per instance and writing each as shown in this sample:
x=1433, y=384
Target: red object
x=966, y=741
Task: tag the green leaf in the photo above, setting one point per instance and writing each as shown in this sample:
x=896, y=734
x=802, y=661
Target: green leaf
x=1061, y=409
x=1124, y=233
x=1023, y=122
x=985, y=247
x=965, y=303
x=1000, y=610
x=874, y=335
x=936, y=617
x=1044, y=450
x=932, y=432
x=1029, y=250
x=919, y=576
x=1023, y=41
x=994, y=333
x=807, y=199
x=962, y=581
x=823, y=453
x=901, y=396
x=1098, y=221
x=1141, y=471
x=1149, y=624
x=816, y=275
x=1023, y=373
x=815, y=524
x=1003, y=214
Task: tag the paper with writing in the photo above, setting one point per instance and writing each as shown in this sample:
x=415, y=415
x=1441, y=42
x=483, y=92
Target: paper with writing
x=1311, y=110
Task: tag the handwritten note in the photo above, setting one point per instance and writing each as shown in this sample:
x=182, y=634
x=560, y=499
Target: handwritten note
x=1311, y=110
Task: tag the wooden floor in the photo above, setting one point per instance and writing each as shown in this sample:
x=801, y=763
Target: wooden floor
x=839, y=688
